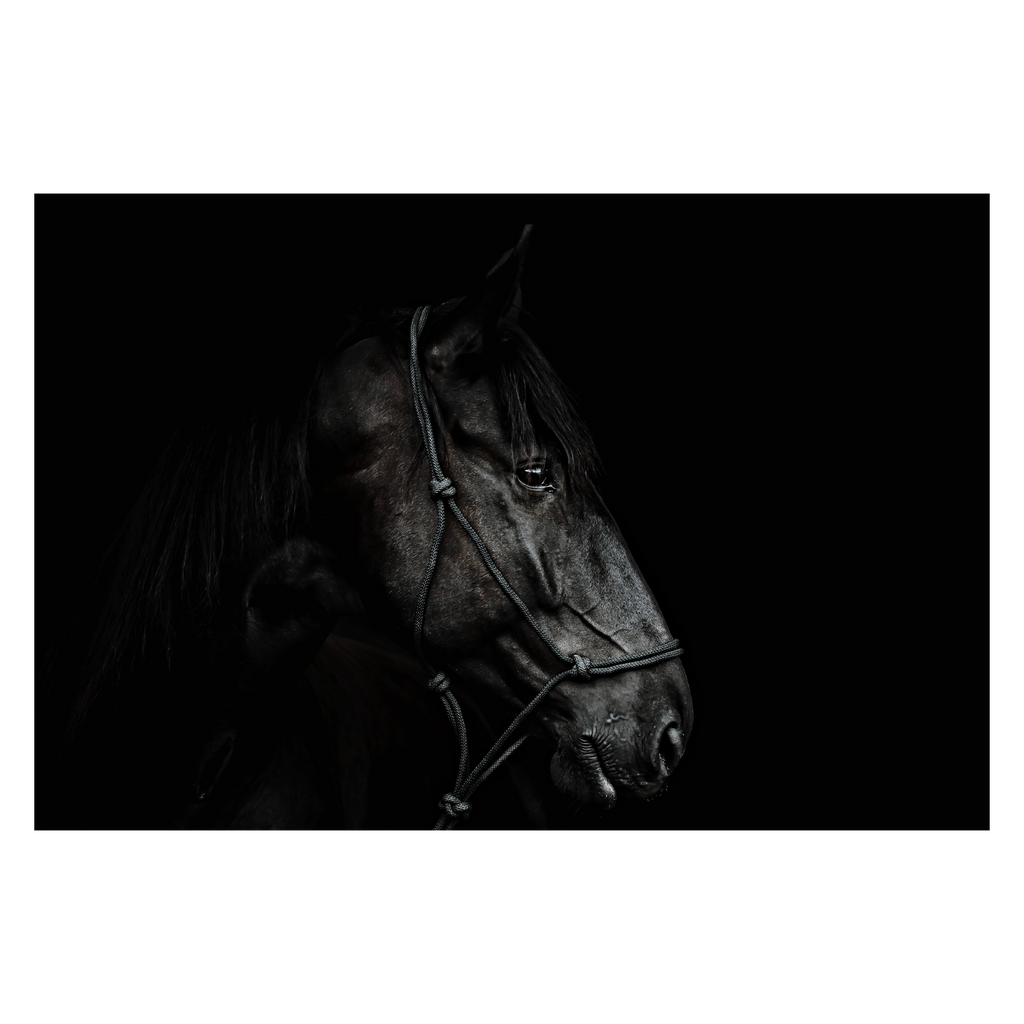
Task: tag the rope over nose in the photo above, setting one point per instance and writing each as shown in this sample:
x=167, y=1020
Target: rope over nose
x=582, y=666
x=438, y=684
x=442, y=488
x=453, y=806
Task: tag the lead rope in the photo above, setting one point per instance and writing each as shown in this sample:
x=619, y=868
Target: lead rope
x=455, y=805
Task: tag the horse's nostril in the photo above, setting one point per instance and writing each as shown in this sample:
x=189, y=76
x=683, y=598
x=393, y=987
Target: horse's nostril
x=670, y=749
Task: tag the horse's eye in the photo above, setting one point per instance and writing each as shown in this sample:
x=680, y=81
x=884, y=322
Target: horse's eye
x=535, y=476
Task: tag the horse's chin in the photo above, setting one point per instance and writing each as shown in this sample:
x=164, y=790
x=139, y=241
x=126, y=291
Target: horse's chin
x=578, y=773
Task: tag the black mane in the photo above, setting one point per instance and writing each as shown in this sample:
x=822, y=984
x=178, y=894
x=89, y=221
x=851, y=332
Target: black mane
x=228, y=488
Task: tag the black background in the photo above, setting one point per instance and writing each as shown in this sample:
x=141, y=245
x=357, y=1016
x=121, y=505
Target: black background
x=789, y=396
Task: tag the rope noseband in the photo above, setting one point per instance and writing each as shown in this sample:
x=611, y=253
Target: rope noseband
x=455, y=804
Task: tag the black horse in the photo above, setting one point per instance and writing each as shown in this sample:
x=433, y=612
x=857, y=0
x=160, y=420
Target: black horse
x=246, y=657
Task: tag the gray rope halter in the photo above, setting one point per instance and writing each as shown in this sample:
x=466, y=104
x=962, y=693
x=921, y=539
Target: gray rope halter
x=455, y=804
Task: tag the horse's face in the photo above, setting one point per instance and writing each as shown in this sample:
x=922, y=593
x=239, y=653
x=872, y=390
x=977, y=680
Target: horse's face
x=557, y=545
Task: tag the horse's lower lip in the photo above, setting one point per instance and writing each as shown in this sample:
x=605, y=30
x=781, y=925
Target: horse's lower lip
x=593, y=771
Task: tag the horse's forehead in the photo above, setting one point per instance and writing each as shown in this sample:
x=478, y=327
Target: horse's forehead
x=469, y=411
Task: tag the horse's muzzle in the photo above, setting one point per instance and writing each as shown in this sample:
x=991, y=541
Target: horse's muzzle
x=603, y=753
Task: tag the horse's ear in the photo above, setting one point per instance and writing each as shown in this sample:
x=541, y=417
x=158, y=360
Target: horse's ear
x=458, y=335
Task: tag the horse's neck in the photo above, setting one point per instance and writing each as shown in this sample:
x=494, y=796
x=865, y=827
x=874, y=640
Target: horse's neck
x=391, y=743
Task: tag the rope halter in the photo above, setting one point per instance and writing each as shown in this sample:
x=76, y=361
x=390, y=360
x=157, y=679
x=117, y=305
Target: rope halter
x=454, y=805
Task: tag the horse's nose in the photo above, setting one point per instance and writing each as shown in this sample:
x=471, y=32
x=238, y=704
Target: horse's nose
x=669, y=743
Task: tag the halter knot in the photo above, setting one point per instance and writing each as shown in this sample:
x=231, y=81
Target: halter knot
x=453, y=806
x=438, y=684
x=442, y=488
x=581, y=667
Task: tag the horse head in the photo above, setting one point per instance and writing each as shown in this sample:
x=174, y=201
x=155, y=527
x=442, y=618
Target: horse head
x=227, y=672
x=517, y=464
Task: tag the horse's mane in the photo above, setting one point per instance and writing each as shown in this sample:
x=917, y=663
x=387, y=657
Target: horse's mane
x=228, y=487
x=232, y=483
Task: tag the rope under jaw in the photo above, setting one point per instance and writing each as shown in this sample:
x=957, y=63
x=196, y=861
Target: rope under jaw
x=453, y=808
x=455, y=805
